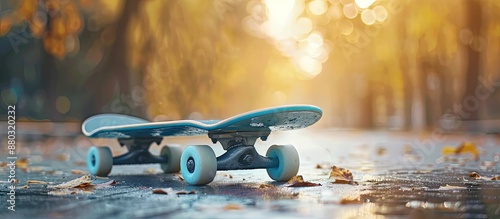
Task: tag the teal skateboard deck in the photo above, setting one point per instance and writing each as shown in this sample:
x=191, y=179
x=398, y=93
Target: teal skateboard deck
x=236, y=134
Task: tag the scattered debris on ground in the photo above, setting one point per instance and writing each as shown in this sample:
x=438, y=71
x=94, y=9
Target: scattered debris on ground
x=80, y=163
x=448, y=187
x=69, y=191
x=298, y=181
x=81, y=185
x=78, y=172
x=62, y=157
x=475, y=175
x=266, y=186
x=180, y=177
x=464, y=147
x=349, y=200
x=381, y=151
x=81, y=182
x=170, y=191
x=22, y=164
x=341, y=176
x=37, y=182
x=233, y=207
x=150, y=171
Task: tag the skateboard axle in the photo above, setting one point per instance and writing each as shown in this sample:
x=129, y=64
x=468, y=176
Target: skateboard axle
x=244, y=157
x=138, y=152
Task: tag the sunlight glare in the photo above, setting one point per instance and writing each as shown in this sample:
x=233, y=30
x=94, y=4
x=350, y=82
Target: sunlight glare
x=280, y=17
x=364, y=3
x=310, y=66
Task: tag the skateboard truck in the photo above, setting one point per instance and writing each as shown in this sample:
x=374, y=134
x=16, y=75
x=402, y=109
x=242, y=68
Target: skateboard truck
x=240, y=150
x=138, y=152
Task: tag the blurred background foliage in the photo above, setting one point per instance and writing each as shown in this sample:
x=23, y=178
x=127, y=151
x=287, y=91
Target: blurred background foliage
x=398, y=64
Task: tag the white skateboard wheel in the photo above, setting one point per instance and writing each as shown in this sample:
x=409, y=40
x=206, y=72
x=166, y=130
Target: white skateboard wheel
x=198, y=164
x=173, y=155
x=288, y=160
x=99, y=161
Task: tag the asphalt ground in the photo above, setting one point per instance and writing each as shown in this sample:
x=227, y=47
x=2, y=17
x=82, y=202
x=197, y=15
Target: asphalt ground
x=395, y=175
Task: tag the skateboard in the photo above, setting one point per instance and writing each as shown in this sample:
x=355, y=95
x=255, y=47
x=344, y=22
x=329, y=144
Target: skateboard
x=198, y=163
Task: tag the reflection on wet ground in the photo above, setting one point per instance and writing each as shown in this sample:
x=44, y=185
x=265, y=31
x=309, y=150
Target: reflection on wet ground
x=396, y=175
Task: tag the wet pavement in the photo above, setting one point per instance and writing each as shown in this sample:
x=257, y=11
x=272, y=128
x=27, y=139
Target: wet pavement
x=397, y=175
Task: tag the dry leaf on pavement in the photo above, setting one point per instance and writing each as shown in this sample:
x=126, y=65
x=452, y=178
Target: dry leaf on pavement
x=341, y=175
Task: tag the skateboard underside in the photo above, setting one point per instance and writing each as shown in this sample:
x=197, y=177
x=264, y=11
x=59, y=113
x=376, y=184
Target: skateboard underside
x=198, y=163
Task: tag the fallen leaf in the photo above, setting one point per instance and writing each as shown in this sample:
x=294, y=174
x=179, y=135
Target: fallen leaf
x=296, y=179
x=349, y=201
x=83, y=181
x=62, y=157
x=304, y=184
x=474, y=175
x=150, y=171
x=78, y=172
x=265, y=186
x=3, y=164
x=448, y=187
x=54, y=172
x=22, y=164
x=68, y=191
x=180, y=177
x=165, y=191
x=80, y=163
x=170, y=191
x=185, y=192
x=106, y=184
x=22, y=187
x=342, y=181
x=495, y=177
x=341, y=175
x=101, y=177
x=36, y=182
x=318, y=166
x=36, y=169
x=381, y=151
x=232, y=207
x=465, y=147
x=413, y=188
x=423, y=171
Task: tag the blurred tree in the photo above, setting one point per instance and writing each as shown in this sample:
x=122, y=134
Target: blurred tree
x=474, y=24
x=110, y=85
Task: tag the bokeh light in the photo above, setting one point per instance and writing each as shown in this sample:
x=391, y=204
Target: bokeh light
x=317, y=7
x=350, y=11
x=346, y=27
x=63, y=104
x=380, y=13
x=9, y=96
x=311, y=66
x=368, y=17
